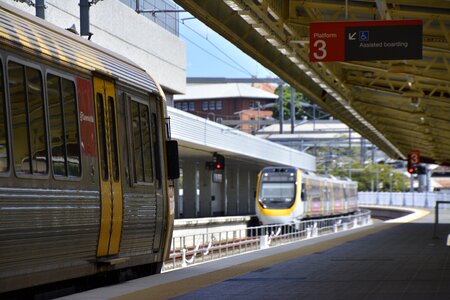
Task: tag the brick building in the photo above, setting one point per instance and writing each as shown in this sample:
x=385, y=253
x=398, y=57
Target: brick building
x=226, y=102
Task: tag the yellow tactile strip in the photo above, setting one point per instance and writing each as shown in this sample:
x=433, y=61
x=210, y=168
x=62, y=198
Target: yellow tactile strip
x=414, y=213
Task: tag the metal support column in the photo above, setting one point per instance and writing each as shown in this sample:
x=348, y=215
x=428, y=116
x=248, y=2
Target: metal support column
x=281, y=110
x=292, y=109
x=40, y=9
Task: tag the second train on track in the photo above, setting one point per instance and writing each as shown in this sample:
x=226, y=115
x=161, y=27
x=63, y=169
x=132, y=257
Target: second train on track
x=287, y=195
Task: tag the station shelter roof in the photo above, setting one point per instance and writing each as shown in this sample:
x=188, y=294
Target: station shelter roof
x=199, y=138
x=399, y=105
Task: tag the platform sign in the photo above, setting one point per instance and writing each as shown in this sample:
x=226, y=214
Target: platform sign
x=414, y=157
x=369, y=40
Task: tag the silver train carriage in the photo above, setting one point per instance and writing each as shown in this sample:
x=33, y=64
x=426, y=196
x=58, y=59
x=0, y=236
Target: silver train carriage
x=85, y=158
x=286, y=195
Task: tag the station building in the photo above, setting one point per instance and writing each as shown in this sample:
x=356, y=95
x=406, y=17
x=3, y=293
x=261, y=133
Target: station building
x=225, y=102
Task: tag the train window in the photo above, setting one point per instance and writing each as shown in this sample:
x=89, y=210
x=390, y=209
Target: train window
x=146, y=146
x=337, y=192
x=72, y=130
x=4, y=161
x=64, y=133
x=155, y=139
x=113, y=134
x=303, y=195
x=137, y=142
x=28, y=124
x=102, y=136
x=315, y=190
x=143, y=164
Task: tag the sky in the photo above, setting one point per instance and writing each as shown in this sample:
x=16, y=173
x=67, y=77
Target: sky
x=210, y=55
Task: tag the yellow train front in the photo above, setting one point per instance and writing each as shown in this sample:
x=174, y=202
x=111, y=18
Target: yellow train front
x=286, y=195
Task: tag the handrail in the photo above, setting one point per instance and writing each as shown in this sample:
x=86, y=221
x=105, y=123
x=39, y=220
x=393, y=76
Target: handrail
x=210, y=246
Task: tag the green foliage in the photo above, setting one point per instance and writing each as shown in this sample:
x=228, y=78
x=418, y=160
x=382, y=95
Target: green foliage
x=287, y=104
x=367, y=177
x=303, y=107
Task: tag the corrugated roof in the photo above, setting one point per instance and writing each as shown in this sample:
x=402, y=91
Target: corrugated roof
x=223, y=90
x=193, y=132
x=324, y=128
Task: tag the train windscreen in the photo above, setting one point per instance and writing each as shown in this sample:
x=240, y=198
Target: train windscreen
x=277, y=190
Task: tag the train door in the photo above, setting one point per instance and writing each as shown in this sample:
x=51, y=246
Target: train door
x=109, y=166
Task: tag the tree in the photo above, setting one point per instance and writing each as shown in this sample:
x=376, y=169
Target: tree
x=302, y=105
x=287, y=104
x=366, y=177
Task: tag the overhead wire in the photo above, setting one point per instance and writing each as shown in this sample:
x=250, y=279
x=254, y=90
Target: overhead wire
x=239, y=66
x=215, y=56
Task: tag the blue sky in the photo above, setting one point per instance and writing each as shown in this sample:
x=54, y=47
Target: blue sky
x=210, y=55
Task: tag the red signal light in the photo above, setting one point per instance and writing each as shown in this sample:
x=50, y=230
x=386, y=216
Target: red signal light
x=410, y=170
x=218, y=162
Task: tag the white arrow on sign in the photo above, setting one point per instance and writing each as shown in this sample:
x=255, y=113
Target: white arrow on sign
x=351, y=36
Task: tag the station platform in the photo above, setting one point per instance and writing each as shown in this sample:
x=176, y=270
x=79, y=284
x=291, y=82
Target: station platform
x=398, y=259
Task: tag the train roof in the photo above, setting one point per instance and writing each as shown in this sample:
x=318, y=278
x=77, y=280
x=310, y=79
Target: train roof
x=327, y=177
x=38, y=37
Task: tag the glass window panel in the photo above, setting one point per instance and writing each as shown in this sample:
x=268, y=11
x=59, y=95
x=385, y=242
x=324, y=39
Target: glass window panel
x=102, y=137
x=219, y=104
x=19, y=118
x=4, y=154
x=113, y=139
x=71, y=127
x=142, y=143
x=155, y=140
x=137, y=143
x=212, y=105
x=147, y=152
x=56, y=125
x=278, y=190
x=37, y=122
x=205, y=105
x=191, y=106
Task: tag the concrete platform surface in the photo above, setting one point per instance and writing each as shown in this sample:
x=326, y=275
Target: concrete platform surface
x=383, y=261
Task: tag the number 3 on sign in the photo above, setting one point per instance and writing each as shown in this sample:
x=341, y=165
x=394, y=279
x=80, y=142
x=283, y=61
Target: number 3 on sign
x=415, y=158
x=320, y=51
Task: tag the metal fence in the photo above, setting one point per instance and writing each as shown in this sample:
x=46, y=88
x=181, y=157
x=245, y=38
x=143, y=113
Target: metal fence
x=425, y=200
x=196, y=248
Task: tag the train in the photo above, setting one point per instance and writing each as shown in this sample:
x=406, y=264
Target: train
x=87, y=165
x=287, y=195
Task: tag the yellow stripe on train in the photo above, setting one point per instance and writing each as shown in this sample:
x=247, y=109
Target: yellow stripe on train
x=277, y=212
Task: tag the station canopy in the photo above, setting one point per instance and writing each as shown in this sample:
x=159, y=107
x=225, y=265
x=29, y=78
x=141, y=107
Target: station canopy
x=400, y=105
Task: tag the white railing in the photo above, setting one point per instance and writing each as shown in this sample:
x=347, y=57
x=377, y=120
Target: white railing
x=425, y=200
x=190, y=249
